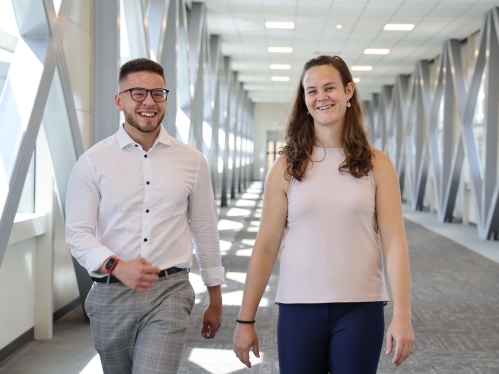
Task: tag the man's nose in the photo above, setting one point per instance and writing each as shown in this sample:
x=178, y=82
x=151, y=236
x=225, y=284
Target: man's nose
x=149, y=100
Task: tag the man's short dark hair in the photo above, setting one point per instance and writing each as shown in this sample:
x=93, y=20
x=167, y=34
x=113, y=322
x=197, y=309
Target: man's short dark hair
x=138, y=65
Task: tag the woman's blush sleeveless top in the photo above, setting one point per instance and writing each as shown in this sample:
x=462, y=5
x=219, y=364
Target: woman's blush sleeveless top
x=330, y=250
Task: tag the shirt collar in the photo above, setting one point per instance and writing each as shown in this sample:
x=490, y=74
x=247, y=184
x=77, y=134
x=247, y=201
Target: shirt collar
x=163, y=137
x=124, y=139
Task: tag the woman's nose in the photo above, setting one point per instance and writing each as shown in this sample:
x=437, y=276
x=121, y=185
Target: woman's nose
x=322, y=94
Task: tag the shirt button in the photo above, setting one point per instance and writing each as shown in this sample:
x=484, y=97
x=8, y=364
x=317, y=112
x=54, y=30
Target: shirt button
x=145, y=156
x=148, y=182
x=147, y=210
x=136, y=145
x=145, y=239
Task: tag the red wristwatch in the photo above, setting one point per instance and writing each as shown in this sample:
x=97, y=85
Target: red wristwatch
x=111, y=264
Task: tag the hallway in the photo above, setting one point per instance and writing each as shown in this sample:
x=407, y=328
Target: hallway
x=455, y=307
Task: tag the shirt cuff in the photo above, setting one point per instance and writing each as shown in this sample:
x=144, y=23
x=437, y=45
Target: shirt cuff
x=95, y=261
x=213, y=276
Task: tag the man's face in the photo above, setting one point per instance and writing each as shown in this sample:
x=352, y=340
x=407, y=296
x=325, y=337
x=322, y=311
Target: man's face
x=145, y=116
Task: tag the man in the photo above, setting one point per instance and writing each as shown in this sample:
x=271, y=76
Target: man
x=134, y=201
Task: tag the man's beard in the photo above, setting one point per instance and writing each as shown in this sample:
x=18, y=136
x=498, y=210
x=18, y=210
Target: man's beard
x=131, y=121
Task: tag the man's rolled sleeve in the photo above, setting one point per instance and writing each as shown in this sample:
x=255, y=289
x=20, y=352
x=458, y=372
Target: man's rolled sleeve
x=82, y=206
x=204, y=227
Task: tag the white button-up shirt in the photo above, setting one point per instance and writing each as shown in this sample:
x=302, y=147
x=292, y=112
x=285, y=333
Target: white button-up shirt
x=128, y=203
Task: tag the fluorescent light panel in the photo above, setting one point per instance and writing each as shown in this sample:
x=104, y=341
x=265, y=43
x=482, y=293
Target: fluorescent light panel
x=339, y=27
x=361, y=68
x=280, y=25
x=399, y=27
x=376, y=51
x=280, y=66
x=280, y=79
x=280, y=49
x=356, y=80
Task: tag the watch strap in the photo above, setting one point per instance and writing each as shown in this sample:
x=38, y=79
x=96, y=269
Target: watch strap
x=113, y=266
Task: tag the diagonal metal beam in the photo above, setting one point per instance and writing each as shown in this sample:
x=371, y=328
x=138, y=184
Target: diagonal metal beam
x=34, y=56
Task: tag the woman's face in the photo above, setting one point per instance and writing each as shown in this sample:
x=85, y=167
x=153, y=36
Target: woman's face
x=325, y=96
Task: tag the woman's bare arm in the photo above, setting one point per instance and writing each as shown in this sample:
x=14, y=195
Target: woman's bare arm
x=265, y=251
x=396, y=254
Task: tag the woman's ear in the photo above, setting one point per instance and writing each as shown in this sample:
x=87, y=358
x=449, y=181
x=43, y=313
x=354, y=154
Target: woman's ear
x=350, y=89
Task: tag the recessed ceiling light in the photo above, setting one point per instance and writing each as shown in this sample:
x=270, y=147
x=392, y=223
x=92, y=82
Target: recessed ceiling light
x=376, y=51
x=339, y=27
x=280, y=25
x=399, y=27
x=280, y=49
x=361, y=68
x=280, y=79
x=356, y=80
x=280, y=66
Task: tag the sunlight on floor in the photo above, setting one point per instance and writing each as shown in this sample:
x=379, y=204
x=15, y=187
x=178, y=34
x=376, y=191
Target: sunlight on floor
x=238, y=277
x=220, y=361
x=238, y=212
x=255, y=191
x=225, y=245
x=225, y=224
x=244, y=252
x=246, y=203
x=250, y=196
x=250, y=242
x=235, y=298
x=93, y=367
x=197, y=283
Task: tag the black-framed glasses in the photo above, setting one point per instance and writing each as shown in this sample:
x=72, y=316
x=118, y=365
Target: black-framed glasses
x=140, y=94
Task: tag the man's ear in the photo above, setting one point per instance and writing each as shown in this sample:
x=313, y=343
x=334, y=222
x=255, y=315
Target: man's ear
x=117, y=102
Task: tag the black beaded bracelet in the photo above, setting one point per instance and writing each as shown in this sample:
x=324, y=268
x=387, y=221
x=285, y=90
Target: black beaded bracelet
x=245, y=322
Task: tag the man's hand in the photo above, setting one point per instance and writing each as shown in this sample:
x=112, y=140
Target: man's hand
x=212, y=316
x=137, y=274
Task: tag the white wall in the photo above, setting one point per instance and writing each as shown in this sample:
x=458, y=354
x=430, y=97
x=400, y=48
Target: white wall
x=17, y=291
x=65, y=285
x=267, y=117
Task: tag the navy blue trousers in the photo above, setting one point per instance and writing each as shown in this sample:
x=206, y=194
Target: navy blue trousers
x=336, y=338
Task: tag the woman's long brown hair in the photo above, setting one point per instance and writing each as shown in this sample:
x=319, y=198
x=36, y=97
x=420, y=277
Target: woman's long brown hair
x=300, y=133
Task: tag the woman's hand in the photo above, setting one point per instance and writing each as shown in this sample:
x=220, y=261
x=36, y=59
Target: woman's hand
x=400, y=331
x=245, y=337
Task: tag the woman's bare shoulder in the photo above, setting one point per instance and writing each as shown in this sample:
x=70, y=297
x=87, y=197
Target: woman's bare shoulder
x=380, y=159
x=276, y=176
x=382, y=165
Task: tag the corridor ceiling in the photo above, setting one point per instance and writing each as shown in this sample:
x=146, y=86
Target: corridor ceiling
x=241, y=24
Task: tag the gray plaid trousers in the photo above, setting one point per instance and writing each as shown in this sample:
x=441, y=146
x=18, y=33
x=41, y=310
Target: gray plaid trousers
x=137, y=332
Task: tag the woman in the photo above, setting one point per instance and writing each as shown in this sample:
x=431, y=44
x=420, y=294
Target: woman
x=330, y=193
